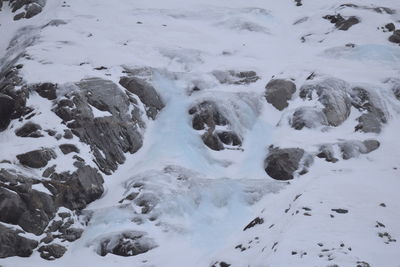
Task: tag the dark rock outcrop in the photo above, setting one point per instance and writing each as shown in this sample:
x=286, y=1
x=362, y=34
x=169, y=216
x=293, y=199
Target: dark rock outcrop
x=12, y=244
x=126, y=244
x=342, y=23
x=146, y=93
x=207, y=116
x=373, y=117
x=333, y=95
x=30, y=8
x=395, y=37
x=348, y=149
x=69, y=148
x=112, y=133
x=282, y=164
x=29, y=129
x=36, y=158
x=278, y=92
x=7, y=105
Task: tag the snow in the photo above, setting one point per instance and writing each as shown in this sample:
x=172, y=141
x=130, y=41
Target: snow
x=200, y=220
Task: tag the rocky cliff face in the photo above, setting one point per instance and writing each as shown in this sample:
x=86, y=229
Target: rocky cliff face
x=155, y=133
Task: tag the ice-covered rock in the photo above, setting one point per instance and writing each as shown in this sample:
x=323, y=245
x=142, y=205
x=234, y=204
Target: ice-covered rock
x=128, y=243
x=332, y=93
x=208, y=118
x=309, y=117
x=347, y=149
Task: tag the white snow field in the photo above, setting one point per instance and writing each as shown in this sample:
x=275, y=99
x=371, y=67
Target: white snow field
x=343, y=214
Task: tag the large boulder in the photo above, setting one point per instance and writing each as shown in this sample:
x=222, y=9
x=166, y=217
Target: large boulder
x=207, y=117
x=373, y=111
x=37, y=158
x=146, y=93
x=76, y=190
x=278, y=92
x=125, y=244
x=29, y=129
x=309, y=117
x=283, y=164
x=7, y=105
x=21, y=205
x=395, y=37
x=12, y=244
x=104, y=117
x=332, y=93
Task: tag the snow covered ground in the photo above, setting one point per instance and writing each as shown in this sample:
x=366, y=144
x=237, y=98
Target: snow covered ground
x=205, y=198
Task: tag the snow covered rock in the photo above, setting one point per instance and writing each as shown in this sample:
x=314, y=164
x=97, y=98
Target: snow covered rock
x=374, y=115
x=309, y=117
x=236, y=77
x=125, y=244
x=283, y=164
x=52, y=252
x=207, y=117
x=12, y=244
x=278, y=92
x=105, y=117
x=146, y=93
x=332, y=93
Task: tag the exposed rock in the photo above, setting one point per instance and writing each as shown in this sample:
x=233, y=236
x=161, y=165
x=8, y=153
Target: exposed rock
x=76, y=190
x=146, y=93
x=31, y=8
x=12, y=244
x=68, y=148
x=207, y=116
x=36, y=158
x=309, y=117
x=47, y=90
x=282, y=164
x=23, y=206
x=395, y=37
x=341, y=23
x=126, y=244
x=278, y=92
x=374, y=117
x=29, y=129
x=108, y=136
x=7, y=106
x=52, y=252
x=390, y=27
x=332, y=93
x=253, y=223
